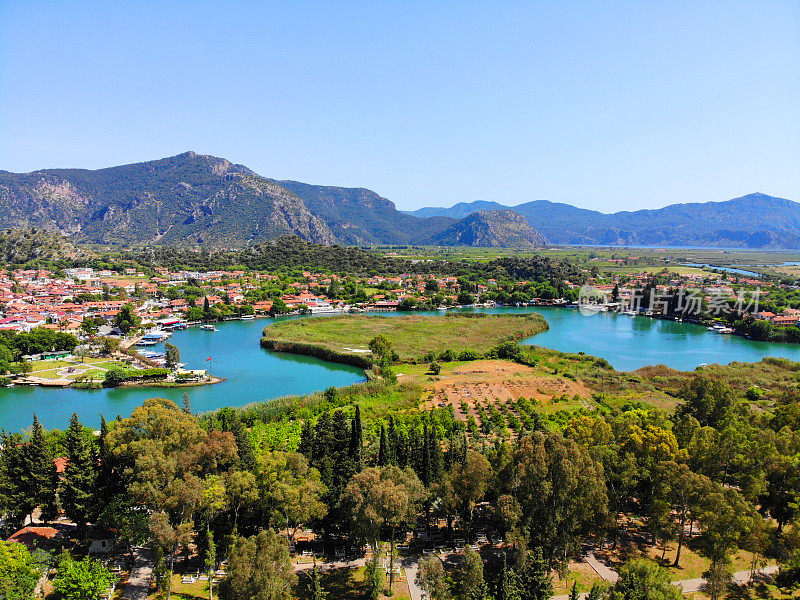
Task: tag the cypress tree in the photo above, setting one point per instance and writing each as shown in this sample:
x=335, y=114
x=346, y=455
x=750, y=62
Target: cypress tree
x=187, y=404
x=383, y=458
x=357, y=441
x=323, y=438
x=435, y=452
x=306, y=446
x=426, y=459
x=393, y=443
x=108, y=480
x=244, y=444
x=78, y=485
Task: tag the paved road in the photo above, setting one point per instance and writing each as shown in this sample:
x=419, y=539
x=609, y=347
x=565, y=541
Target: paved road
x=606, y=572
x=335, y=564
x=740, y=578
x=139, y=581
x=687, y=585
x=410, y=566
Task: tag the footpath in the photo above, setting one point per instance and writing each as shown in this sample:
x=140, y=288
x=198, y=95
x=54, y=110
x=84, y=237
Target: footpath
x=604, y=571
x=141, y=572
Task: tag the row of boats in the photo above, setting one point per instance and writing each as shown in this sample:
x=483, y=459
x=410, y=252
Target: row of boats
x=165, y=330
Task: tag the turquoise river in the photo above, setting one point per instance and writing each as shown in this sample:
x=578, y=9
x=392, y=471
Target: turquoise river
x=253, y=374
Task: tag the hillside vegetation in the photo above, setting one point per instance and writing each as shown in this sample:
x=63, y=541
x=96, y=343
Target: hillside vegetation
x=197, y=200
x=18, y=247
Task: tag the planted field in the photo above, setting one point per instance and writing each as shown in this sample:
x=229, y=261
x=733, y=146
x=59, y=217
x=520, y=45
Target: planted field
x=412, y=336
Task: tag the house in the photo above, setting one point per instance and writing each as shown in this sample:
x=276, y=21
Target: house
x=36, y=536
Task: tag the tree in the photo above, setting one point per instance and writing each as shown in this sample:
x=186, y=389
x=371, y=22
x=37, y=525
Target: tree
x=718, y=579
x=128, y=521
x=315, y=591
x=85, y=579
x=126, y=319
x=240, y=491
x=709, y=400
x=19, y=571
x=39, y=478
x=115, y=375
x=471, y=583
x=597, y=591
x=535, y=582
x=289, y=489
x=561, y=492
x=469, y=482
x=382, y=349
x=465, y=298
x=383, y=496
x=168, y=454
x=79, y=483
x=172, y=355
x=727, y=520
x=506, y=588
x=642, y=579
x=259, y=569
x=573, y=593
x=432, y=578
x=357, y=440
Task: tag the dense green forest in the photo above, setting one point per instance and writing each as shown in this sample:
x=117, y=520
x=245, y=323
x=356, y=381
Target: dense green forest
x=239, y=484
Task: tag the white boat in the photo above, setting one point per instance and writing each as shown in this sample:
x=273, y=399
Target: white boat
x=208, y=328
x=248, y=317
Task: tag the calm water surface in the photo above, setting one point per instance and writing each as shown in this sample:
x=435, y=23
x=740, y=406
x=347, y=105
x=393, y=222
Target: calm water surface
x=254, y=374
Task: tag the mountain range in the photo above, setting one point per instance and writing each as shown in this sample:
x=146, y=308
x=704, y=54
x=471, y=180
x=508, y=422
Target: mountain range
x=752, y=221
x=192, y=199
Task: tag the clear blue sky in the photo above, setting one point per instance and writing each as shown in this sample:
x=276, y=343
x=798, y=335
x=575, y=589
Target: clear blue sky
x=606, y=105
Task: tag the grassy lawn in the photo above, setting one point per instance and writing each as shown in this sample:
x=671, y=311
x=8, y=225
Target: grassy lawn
x=411, y=335
x=49, y=369
x=581, y=573
x=46, y=366
x=348, y=584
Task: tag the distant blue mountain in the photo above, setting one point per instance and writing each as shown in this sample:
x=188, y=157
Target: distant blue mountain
x=751, y=221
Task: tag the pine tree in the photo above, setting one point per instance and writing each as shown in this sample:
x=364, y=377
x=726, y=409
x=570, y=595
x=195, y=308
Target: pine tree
x=41, y=471
x=108, y=472
x=596, y=592
x=573, y=593
x=80, y=477
x=535, y=580
x=506, y=588
x=315, y=591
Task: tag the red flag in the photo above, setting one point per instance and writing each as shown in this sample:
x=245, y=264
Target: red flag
x=208, y=359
